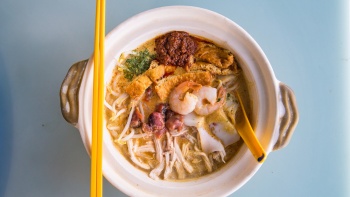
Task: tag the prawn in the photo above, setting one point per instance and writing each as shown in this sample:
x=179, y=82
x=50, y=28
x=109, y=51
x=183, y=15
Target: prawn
x=209, y=100
x=182, y=100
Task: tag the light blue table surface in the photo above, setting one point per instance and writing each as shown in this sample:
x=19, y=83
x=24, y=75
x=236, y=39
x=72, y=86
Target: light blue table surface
x=306, y=42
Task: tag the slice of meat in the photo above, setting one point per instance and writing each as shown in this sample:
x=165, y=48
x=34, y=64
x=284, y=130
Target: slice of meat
x=162, y=108
x=166, y=85
x=148, y=94
x=156, y=125
x=220, y=57
x=136, y=119
x=156, y=121
x=175, y=122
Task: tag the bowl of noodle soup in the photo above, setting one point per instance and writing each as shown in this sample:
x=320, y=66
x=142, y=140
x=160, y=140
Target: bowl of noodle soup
x=170, y=108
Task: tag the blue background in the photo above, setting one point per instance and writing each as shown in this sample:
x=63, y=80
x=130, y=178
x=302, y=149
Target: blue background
x=306, y=42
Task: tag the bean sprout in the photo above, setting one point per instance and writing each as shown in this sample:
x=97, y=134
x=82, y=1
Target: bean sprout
x=127, y=125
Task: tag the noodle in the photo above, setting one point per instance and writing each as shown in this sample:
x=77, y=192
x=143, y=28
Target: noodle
x=109, y=107
x=127, y=125
x=152, y=134
x=129, y=136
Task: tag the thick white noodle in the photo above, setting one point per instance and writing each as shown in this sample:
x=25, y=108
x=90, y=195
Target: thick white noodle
x=168, y=167
x=206, y=160
x=114, y=133
x=181, y=158
x=222, y=154
x=169, y=143
x=133, y=157
x=109, y=107
x=113, y=128
x=111, y=91
x=145, y=156
x=176, y=133
x=185, y=149
x=219, y=155
x=129, y=136
x=154, y=174
x=181, y=174
x=228, y=78
x=169, y=155
x=120, y=100
x=230, y=89
x=190, y=138
x=127, y=125
x=146, y=148
x=120, y=112
x=141, y=135
x=159, y=149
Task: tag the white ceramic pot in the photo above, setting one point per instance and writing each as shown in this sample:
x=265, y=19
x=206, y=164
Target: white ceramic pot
x=274, y=107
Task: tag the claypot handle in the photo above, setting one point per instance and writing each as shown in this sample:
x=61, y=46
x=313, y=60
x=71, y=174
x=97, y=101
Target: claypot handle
x=290, y=118
x=69, y=92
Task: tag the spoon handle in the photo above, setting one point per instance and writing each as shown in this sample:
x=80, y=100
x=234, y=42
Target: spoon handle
x=246, y=131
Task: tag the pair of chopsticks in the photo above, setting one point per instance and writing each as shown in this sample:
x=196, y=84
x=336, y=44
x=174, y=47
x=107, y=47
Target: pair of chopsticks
x=96, y=184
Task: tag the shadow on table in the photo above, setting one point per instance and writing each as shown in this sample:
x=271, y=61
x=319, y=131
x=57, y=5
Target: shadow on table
x=6, y=127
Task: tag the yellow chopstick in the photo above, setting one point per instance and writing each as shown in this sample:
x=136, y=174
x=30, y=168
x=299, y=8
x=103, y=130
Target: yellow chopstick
x=96, y=184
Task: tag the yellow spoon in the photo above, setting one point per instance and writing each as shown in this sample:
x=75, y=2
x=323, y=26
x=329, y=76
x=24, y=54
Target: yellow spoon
x=245, y=130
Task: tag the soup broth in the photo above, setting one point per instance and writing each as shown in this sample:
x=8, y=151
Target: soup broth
x=170, y=106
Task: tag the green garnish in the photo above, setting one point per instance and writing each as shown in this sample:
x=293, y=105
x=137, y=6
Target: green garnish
x=137, y=64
